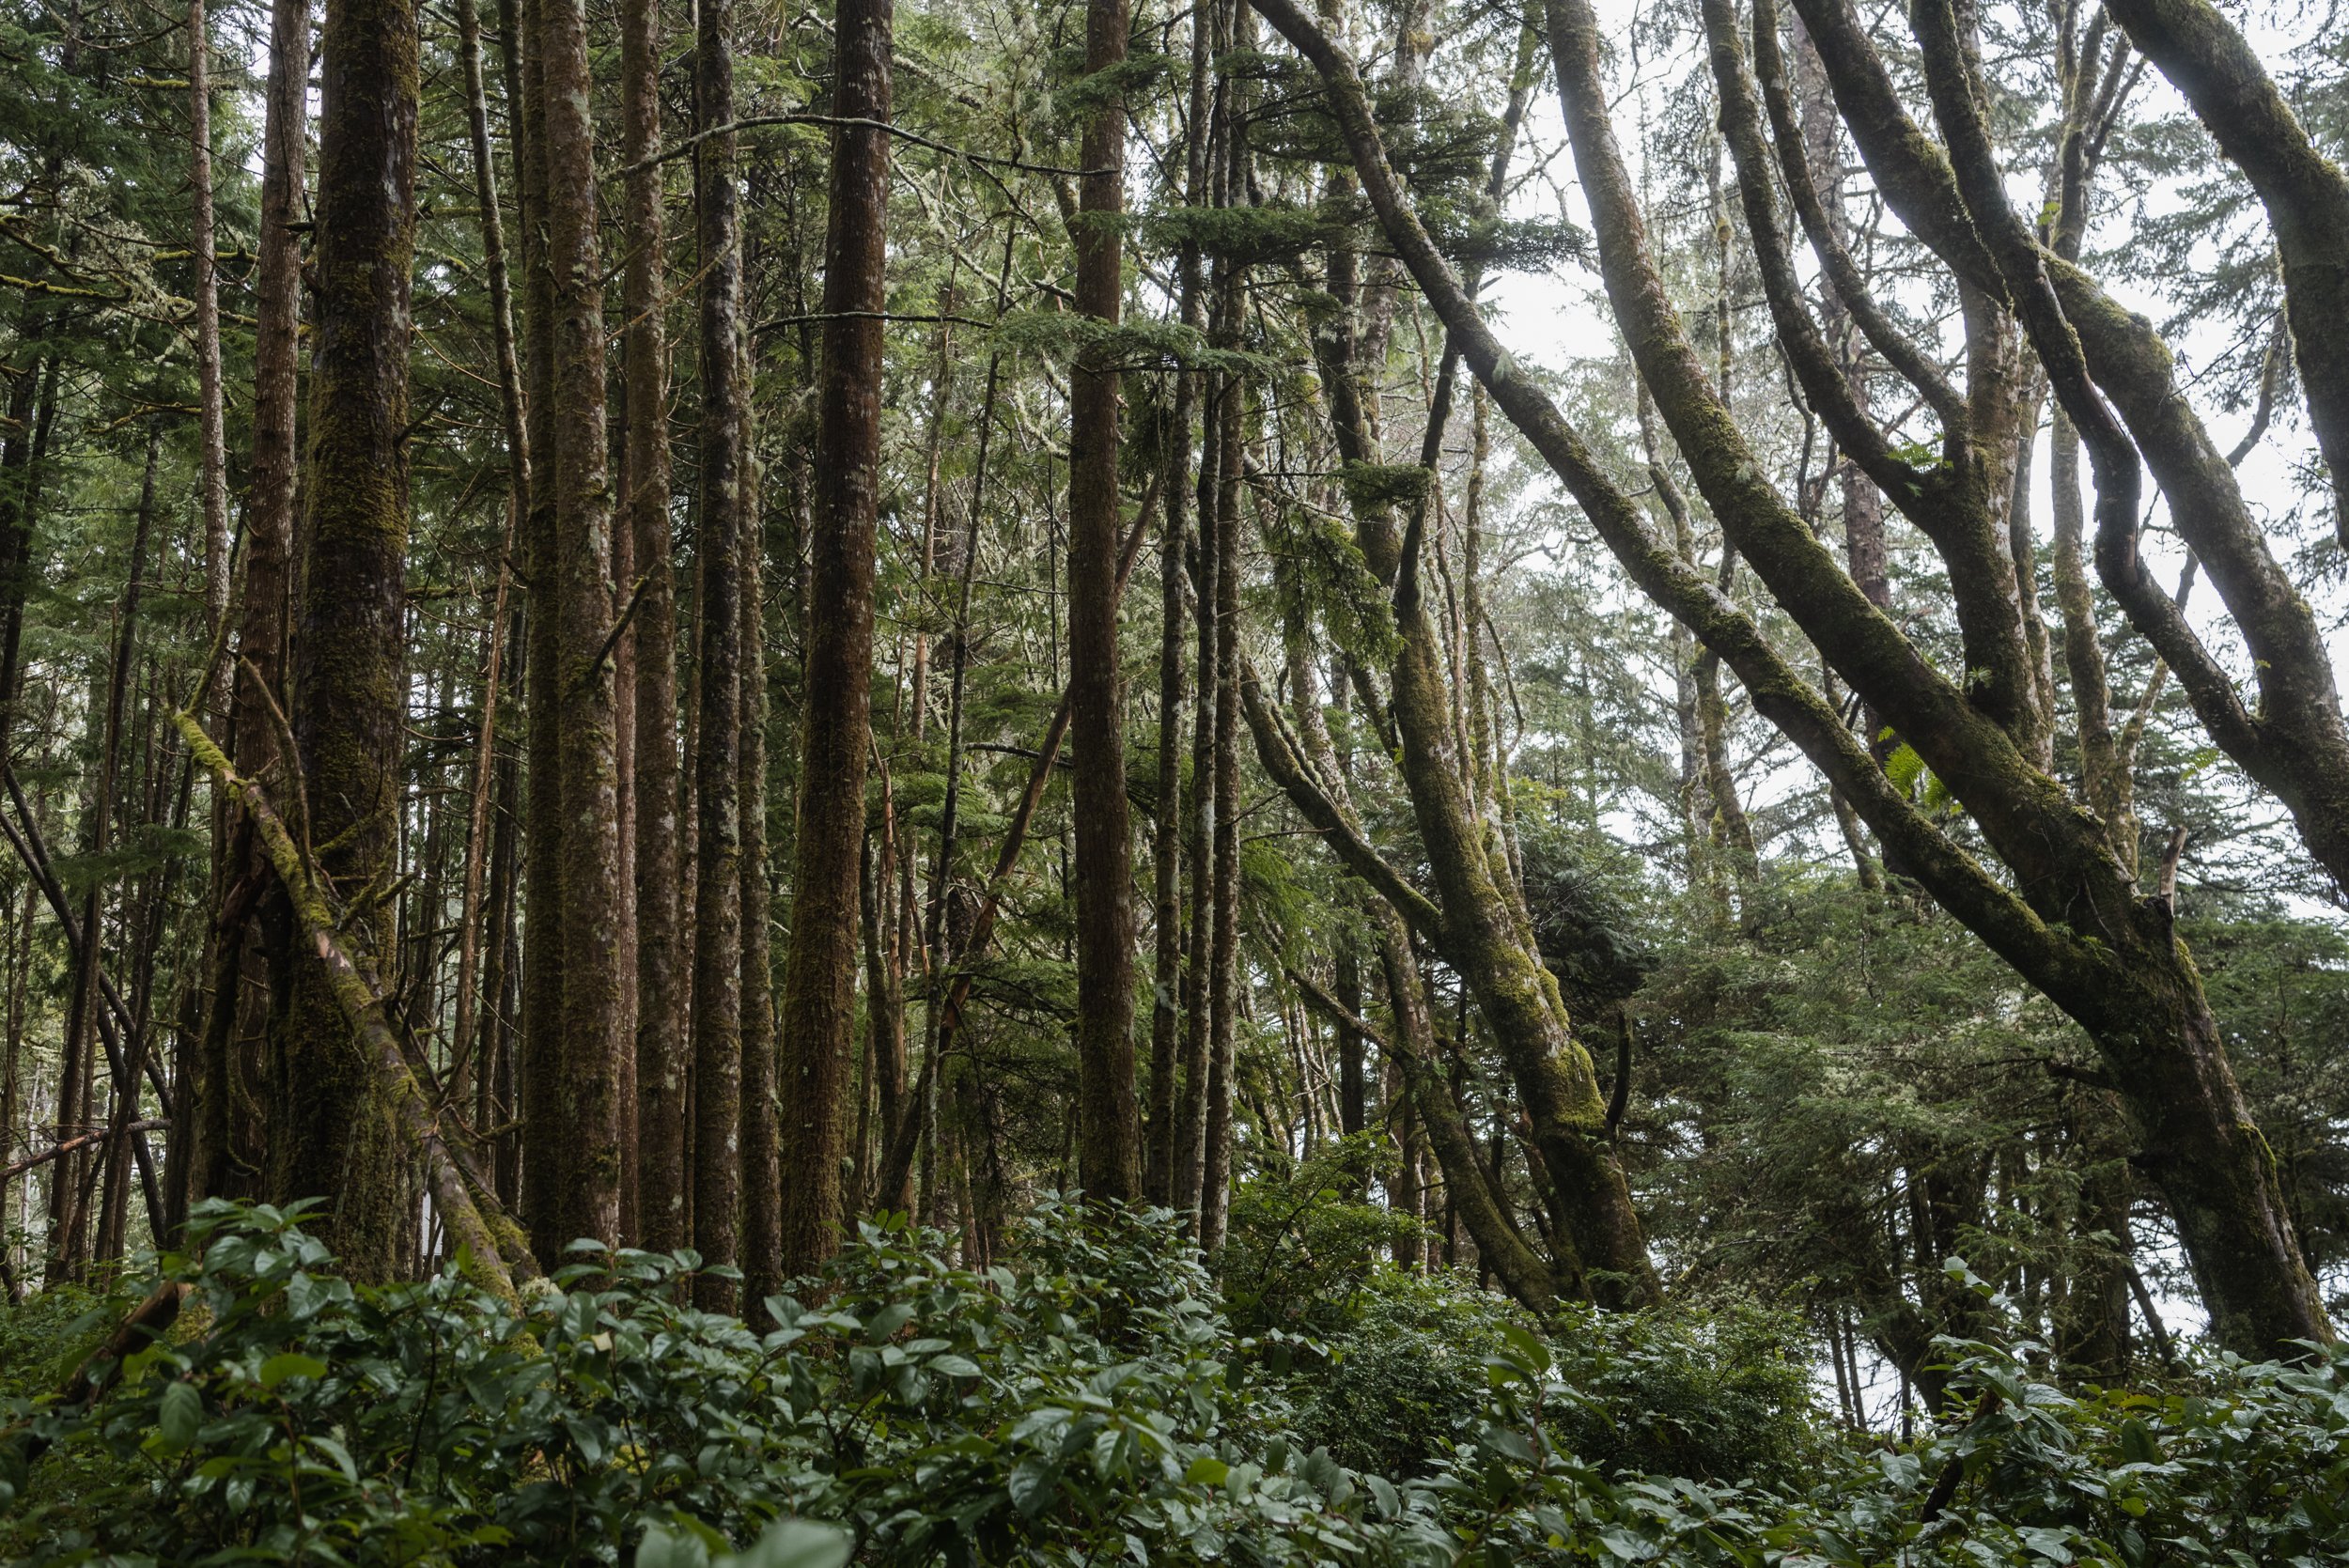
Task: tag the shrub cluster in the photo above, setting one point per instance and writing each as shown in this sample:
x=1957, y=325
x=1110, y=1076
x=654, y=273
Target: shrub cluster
x=1090, y=1404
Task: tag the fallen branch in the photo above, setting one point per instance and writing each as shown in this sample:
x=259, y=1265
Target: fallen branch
x=468, y=1208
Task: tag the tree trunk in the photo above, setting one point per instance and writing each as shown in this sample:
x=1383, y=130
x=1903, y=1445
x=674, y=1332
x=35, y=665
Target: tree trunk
x=257, y=686
x=762, y=1167
x=594, y=906
x=661, y=1046
x=1108, y=1162
x=718, y=672
x=544, y=1174
x=69, y=1247
x=329, y=1136
x=517, y=505
x=212, y=454
x=819, y=987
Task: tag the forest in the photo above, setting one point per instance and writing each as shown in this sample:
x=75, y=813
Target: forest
x=1260, y=781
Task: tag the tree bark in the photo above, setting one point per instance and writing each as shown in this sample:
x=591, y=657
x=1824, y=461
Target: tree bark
x=76, y=1107
x=717, y=1003
x=762, y=1157
x=662, y=1046
x=594, y=906
x=517, y=505
x=212, y=440
x=258, y=682
x=1108, y=1162
x=329, y=1136
x=540, y=1074
x=819, y=986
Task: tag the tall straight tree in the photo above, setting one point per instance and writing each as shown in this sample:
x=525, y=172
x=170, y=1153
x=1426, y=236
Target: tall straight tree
x=541, y=1067
x=593, y=907
x=329, y=1135
x=762, y=1154
x=212, y=457
x=820, y=984
x=717, y=755
x=1108, y=1162
x=259, y=680
x=661, y=1046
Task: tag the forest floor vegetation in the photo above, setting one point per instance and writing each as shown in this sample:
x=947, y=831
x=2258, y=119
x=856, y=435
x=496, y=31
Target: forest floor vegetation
x=1094, y=1398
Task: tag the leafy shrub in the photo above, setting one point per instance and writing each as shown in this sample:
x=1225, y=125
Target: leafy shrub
x=2249, y=1467
x=1303, y=1245
x=1091, y=1404
x=1082, y=1405
x=1403, y=1384
x=1722, y=1394
x=1717, y=1395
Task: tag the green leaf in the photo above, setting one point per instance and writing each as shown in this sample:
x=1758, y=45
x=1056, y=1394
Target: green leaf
x=182, y=1414
x=1527, y=1345
x=889, y=1320
x=663, y=1547
x=290, y=1364
x=1206, y=1470
x=954, y=1366
x=794, y=1544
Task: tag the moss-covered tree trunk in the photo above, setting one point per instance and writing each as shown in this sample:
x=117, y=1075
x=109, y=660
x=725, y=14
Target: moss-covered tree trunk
x=594, y=907
x=329, y=1134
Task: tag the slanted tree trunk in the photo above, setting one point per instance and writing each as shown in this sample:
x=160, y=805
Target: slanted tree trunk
x=485, y=774
x=2133, y=990
x=2306, y=195
x=1108, y=1162
x=819, y=985
x=329, y=1133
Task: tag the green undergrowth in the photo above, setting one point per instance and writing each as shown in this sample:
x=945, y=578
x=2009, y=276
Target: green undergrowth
x=1088, y=1402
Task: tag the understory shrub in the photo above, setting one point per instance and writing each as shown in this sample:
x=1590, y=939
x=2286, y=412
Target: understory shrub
x=1090, y=1403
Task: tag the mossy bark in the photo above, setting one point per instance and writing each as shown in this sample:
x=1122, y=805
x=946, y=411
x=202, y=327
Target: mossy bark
x=2133, y=987
x=595, y=908
x=2307, y=198
x=331, y=1134
x=541, y=1066
x=762, y=1168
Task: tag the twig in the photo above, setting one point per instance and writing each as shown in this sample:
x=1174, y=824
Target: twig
x=70, y=1144
x=619, y=629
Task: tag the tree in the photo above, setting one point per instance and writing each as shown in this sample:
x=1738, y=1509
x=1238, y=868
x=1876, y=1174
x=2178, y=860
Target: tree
x=1110, y=1165
x=820, y=976
x=329, y=1134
